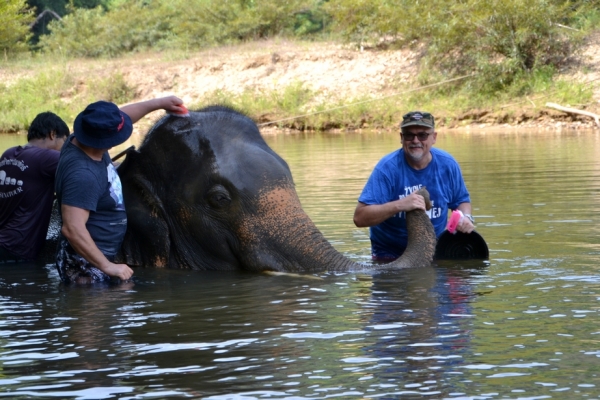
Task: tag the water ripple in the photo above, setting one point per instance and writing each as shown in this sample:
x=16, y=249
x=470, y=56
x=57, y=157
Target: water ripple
x=166, y=347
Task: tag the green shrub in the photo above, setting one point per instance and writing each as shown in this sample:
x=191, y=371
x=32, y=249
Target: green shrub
x=23, y=100
x=203, y=23
x=113, y=88
x=296, y=106
x=135, y=25
x=58, y=91
x=15, y=18
x=185, y=24
x=497, y=39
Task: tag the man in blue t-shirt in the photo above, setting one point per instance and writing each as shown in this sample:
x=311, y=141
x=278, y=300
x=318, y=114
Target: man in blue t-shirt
x=89, y=193
x=391, y=189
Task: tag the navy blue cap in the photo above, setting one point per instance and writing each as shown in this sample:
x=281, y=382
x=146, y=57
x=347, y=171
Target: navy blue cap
x=102, y=125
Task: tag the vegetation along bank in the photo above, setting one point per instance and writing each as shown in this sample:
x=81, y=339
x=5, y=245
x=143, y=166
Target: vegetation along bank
x=308, y=64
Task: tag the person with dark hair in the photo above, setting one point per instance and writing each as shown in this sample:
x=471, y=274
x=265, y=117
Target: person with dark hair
x=392, y=189
x=89, y=193
x=27, y=188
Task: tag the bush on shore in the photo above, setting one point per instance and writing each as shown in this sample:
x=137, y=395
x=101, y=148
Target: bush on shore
x=178, y=24
x=15, y=18
x=509, y=48
x=495, y=38
x=59, y=91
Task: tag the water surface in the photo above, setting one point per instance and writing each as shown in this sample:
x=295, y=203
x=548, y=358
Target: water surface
x=522, y=325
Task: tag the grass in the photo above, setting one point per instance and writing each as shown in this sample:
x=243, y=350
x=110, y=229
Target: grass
x=57, y=91
x=34, y=83
x=298, y=107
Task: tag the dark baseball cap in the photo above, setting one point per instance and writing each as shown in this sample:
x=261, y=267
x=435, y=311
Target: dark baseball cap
x=102, y=125
x=417, y=118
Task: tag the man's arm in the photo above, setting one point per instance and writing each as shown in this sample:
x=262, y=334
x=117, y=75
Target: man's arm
x=465, y=225
x=74, y=229
x=137, y=111
x=374, y=214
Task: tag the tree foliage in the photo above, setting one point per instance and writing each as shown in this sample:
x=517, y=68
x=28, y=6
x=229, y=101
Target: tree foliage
x=98, y=32
x=217, y=21
x=61, y=8
x=498, y=39
x=15, y=18
x=138, y=25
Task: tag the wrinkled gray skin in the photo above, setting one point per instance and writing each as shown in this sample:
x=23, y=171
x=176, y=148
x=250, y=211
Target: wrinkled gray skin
x=207, y=193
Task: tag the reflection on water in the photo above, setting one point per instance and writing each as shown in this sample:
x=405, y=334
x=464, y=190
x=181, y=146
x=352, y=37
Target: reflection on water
x=522, y=325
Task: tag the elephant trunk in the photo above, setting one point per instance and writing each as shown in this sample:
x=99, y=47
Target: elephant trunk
x=281, y=237
x=421, y=242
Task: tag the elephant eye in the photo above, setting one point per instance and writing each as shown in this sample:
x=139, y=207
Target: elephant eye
x=218, y=197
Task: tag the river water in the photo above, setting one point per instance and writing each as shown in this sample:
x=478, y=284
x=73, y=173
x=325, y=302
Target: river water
x=522, y=325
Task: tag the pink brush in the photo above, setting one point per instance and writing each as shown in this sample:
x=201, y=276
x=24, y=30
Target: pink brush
x=454, y=220
x=182, y=113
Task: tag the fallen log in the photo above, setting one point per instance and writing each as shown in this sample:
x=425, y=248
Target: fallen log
x=575, y=111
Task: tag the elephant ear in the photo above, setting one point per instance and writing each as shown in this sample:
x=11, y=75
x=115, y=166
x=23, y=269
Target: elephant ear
x=147, y=240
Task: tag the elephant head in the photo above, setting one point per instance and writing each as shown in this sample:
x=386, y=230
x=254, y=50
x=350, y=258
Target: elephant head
x=207, y=193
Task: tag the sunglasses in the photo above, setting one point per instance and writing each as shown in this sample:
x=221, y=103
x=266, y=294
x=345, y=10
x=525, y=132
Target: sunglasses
x=409, y=137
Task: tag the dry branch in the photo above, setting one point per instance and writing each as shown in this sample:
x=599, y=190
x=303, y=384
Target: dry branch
x=575, y=111
x=42, y=15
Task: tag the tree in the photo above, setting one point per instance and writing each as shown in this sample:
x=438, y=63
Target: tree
x=498, y=39
x=15, y=18
x=61, y=8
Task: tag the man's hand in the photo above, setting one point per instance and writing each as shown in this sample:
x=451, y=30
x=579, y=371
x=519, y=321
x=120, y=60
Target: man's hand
x=374, y=214
x=465, y=225
x=411, y=202
x=172, y=104
x=74, y=229
x=121, y=271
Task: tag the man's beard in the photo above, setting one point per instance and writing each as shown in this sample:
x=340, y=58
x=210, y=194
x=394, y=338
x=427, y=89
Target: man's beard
x=414, y=157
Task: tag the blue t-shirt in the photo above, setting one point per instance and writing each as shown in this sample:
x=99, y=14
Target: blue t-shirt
x=94, y=186
x=394, y=179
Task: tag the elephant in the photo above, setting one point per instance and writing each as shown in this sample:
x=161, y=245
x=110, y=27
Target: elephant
x=206, y=192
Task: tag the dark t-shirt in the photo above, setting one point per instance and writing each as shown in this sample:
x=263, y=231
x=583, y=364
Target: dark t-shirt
x=26, y=195
x=94, y=186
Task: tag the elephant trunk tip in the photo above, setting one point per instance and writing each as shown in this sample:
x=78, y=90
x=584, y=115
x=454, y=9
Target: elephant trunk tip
x=423, y=192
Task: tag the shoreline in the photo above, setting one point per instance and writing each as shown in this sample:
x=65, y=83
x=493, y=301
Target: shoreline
x=277, y=79
x=547, y=126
